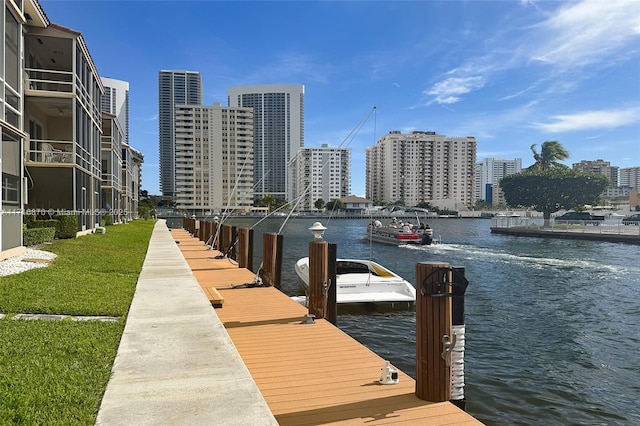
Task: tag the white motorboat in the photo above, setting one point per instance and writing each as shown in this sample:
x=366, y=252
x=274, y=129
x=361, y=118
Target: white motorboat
x=399, y=233
x=363, y=281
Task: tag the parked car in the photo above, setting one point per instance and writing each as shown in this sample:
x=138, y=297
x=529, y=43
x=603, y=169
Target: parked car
x=634, y=219
x=579, y=217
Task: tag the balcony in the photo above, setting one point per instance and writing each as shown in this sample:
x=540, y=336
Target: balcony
x=49, y=80
x=50, y=152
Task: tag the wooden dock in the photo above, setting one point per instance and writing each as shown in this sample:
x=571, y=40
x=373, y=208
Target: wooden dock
x=309, y=374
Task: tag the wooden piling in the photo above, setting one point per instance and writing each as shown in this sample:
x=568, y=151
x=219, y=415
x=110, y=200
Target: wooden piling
x=271, y=259
x=207, y=230
x=433, y=323
x=332, y=269
x=245, y=249
x=318, y=277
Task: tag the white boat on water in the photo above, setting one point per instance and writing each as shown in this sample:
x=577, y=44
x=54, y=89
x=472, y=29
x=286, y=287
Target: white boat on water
x=399, y=233
x=363, y=281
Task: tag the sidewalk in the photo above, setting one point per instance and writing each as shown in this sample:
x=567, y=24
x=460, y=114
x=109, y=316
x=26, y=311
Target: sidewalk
x=176, y=364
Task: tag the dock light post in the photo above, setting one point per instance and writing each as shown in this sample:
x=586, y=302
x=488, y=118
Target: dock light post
x=318, y=231
x=318, y=271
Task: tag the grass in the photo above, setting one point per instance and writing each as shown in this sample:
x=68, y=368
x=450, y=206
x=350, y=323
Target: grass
x=92, y=275
x=55, y=372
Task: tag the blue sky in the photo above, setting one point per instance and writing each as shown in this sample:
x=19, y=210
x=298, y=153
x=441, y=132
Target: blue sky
x=510, y=73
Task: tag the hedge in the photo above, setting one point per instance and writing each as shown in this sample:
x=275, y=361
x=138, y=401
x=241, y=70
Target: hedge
x=33, y=236
x=68, y=226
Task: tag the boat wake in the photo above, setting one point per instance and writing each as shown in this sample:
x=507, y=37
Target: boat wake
x=470, y=252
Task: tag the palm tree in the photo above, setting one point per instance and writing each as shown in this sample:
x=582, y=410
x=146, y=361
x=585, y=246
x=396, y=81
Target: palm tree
x=550, y=153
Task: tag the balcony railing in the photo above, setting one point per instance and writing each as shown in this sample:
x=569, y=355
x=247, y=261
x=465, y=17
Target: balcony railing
x=48, y=151
x=49, y=80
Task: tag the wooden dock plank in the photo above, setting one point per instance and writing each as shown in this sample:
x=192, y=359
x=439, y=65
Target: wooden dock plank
x=309, y=374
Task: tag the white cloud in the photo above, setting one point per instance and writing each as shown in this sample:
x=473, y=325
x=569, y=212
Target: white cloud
x=448, y=91
x=587, y=120
x=587, y=32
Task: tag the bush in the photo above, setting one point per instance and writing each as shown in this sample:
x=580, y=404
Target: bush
x=108, y=220
x=33, y=236
x=68, y=226
x=28, y=219
x=49, y=223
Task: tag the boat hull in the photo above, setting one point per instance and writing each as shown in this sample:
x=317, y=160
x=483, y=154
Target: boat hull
x=397, y=236
x=364, y=282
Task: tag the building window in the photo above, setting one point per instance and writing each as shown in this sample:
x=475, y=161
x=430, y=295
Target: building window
x=11, y=166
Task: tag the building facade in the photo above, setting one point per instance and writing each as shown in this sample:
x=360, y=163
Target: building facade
x=214, y=159
x=17, y=17
x=600, y=167
x=320, y=174
x=174, y=87
x=111, y=168
x=131, y=181
x=422, y=167
x=630, y=177
x=278, y=133
x=488, y=174
x=115, y=101
x=63, y=119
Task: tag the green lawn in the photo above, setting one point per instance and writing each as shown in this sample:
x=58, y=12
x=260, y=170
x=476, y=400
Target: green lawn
x=55, y=372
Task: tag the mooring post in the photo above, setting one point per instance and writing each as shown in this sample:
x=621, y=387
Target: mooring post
x=269, y=247
x=434, y=333
x=318, y=276
x=243, y=248
x=208, y=229
x=332, y=306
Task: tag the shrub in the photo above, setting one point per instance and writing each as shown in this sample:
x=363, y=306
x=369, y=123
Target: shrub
x=49, y=223
x=68, y=226
x=33, y=236
x=28, y=219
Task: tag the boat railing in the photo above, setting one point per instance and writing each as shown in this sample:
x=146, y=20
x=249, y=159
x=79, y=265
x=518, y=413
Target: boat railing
x=609, y=226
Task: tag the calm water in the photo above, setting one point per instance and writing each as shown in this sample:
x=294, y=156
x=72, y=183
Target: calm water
x=552, y=326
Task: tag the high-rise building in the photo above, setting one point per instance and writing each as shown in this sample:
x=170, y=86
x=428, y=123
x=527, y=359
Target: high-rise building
x=488, y=174
x=174, y=87
x=115, y=101
x=278, y=133
x=630, y=177
x=600, y=167
x=320, y=173
x=214, y=158
x=422, y=167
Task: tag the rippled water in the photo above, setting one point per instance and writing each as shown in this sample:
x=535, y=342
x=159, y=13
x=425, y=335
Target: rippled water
x=552, y=325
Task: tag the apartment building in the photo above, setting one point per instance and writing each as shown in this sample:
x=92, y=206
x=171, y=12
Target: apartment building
x=630, y=177
x=278, y=133
x=175, y=87
x=600, y=167
x=488, y=174
x=131, y=181
x=422, y=166
x=111, y=170
x=213, y=158
x=121, y=163
x=115, y=101
x=17, y=17
x=62, y=109
x=320, y=173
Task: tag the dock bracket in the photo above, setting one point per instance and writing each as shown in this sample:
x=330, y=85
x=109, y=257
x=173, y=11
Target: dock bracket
x=308, y=319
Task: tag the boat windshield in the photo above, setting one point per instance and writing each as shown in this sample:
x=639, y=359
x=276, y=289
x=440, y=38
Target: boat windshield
x=346, y=267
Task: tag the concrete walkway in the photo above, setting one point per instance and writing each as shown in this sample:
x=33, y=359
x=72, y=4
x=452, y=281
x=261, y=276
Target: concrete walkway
x=176, y=364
